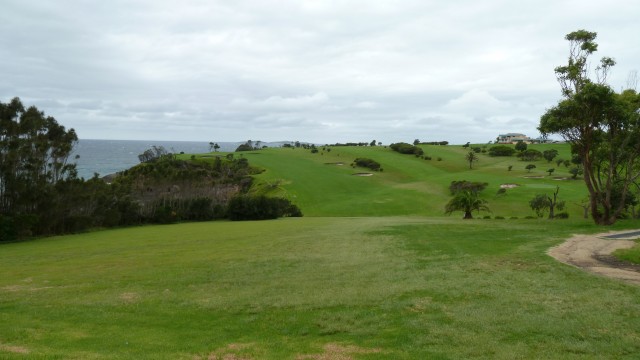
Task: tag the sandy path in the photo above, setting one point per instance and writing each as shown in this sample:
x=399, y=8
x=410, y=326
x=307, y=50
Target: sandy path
x=593, y=253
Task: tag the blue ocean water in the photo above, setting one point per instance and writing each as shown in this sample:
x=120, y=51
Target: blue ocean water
x=110, y=156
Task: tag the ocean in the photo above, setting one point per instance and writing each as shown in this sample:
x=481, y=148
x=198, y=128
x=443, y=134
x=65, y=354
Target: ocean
x=110, y=156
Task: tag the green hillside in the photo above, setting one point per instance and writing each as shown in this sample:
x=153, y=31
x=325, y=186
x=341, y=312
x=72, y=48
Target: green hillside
x=324, y=184
x=373, y=271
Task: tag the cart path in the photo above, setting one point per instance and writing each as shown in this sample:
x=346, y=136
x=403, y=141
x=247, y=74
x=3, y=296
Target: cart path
x=593, y=253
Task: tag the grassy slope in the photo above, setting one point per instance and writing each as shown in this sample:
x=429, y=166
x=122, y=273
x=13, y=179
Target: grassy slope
x=388, y=287
x=409, y=287
x=408, y=185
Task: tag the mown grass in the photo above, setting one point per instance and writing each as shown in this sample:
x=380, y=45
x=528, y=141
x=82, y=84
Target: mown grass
x=370, y=288
x=396, y=282
x=407, y=185
x=631, y=255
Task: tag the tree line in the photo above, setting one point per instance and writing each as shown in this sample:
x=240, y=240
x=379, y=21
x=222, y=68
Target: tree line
x=41, y=193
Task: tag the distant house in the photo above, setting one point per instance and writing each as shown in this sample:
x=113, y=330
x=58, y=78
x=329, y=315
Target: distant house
x=512, y=138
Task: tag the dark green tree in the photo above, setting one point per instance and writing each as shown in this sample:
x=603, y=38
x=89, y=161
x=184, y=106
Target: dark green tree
x=549, y=155
x=530, y=167
x=602, y=126
x=466, y=201
x=521, y=146
x=35, y=155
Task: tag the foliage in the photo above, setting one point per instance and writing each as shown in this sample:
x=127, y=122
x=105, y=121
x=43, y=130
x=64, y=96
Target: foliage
x=367, y=163
x=471, y=157
x=529, y=167
x=404, y=148
x=153, y=154
x=542, y=203
x=466, y=201
x=260, y=207
x=34, y=157
x=521, y=146
x=244, y=147
x=602, y=126
x=550, y=171
x=530, y=155
x=501, y=150
x=549, y=155
x=464, y=185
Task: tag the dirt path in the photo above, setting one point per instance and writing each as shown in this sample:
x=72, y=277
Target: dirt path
x=593, y=253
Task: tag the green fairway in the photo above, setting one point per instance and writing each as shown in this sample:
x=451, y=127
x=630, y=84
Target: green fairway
x=373, y=271
x=370, y=288
x=323, y=184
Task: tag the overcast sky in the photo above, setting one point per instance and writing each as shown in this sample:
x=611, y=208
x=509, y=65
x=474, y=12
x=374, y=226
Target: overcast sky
x=317, y=71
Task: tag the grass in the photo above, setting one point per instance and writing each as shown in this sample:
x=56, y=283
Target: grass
x=407, y=185
x=631, y=255
x=373, y=271
x=371, y=288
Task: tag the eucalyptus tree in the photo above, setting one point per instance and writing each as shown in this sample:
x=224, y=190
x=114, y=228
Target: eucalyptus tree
x=602, y=126
x=35, y=154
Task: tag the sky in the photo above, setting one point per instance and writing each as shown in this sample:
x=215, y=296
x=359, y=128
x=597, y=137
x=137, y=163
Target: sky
x=307, y=70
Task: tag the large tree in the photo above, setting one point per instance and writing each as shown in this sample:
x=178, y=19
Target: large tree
x=34, y=156
x=602, y=126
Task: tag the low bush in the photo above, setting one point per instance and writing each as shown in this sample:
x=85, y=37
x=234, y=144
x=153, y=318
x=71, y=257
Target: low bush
x=248, y=207
x=501, y=150
x=367, y=163
x=404, y=148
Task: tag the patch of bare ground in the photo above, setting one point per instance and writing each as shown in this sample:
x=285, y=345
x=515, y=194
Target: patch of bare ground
x=13, y=349
x=593, y=253
x=363, y=174
x=229, y=352
x=338, y=352
x=129, y=297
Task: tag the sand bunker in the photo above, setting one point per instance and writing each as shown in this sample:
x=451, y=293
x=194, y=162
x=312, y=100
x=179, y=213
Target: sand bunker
x=363, y=174
x=508, y=186
x=335, y=163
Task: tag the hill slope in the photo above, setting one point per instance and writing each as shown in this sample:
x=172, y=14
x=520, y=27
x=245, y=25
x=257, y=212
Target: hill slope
x=324, y=184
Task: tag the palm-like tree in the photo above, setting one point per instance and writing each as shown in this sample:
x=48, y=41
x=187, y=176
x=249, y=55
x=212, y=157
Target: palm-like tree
x=466, y=201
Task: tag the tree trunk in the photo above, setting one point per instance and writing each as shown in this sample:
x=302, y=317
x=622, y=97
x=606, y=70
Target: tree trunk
x=467, y=215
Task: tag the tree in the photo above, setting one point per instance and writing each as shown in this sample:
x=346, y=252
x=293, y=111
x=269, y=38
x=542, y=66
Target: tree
x=416, y=142
x=34, y=157
x=521, y=146
x=542, y=203
x=549, y=155
x=501, y=150
x=466, y=201
x=550, y=171
x=471, y=158
x=530, y=167
x=602, y=126
x=372, y=143
x=530, y=155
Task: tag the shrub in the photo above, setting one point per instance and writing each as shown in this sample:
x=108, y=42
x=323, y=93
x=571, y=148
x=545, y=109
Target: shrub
x=247, y=207
x=562, y=215
x=501, y=150
x=404, y=148
x=530, y=155
x=367, y=163
x=462, y=185
x=487, y=217
x=499, y=217
x=529, y=217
